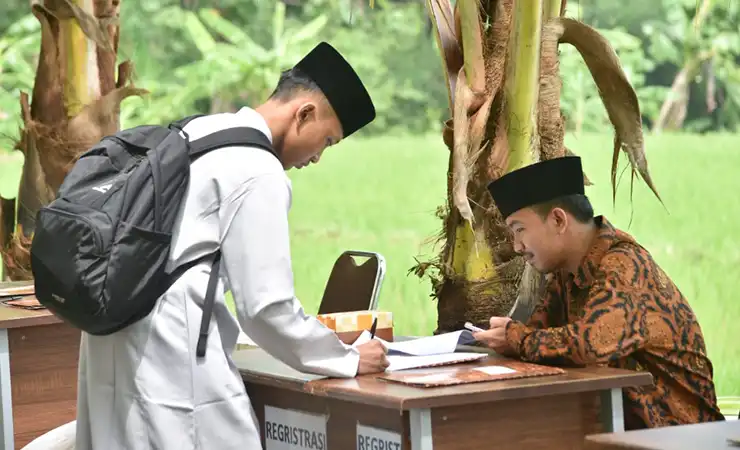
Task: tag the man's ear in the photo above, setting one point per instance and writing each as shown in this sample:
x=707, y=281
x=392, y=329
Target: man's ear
x=306, y=114
x=560, y=219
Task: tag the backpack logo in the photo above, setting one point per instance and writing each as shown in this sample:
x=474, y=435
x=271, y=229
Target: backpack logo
x=103, y=188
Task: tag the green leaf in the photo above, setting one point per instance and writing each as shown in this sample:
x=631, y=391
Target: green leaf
x=248, y=47
x=308, y=31
x=26, y=25
x=198, y=33
x=278, y=23
x=662, y=49
x=11, y=166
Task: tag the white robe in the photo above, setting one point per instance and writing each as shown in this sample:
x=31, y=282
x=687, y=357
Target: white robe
x=142, y=387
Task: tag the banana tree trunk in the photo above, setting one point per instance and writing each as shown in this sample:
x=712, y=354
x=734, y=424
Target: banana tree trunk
x=501, y=66
x=75, y=102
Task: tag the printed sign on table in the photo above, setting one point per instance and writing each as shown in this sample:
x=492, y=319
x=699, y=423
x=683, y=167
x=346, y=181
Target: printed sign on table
x=287, y=429
x=370, y=438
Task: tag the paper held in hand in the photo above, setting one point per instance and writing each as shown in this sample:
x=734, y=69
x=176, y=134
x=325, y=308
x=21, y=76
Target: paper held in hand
x=428, y=351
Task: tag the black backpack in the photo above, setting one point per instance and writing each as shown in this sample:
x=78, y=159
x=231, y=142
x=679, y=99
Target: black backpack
x=100, y=249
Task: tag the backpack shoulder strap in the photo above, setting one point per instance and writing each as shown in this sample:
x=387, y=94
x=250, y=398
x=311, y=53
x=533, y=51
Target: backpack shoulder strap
x=209, y=301
x=230, y=137
x=180, y=124
x=210, y=298
x=240, y=136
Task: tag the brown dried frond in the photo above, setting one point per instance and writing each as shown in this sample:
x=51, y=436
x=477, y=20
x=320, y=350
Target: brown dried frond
x=616, y=93
x=447, y=36
x=498, y=159
x=7, y=221
x=464, y=97
x=17, y=257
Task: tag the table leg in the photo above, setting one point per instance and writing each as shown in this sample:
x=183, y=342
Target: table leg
x=612, y=410
x=6, y=405
x=420, y=427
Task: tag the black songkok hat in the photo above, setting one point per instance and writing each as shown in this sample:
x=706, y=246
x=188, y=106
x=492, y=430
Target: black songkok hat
x=537, y=183
x=341, y=86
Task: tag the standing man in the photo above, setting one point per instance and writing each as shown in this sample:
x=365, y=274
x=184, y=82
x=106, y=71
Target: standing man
x=606, y=301
x=143, y=387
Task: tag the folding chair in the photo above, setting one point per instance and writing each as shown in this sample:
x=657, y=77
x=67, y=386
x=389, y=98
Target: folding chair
x=353, y=287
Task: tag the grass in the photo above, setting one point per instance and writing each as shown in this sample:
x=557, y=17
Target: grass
x=380, y=195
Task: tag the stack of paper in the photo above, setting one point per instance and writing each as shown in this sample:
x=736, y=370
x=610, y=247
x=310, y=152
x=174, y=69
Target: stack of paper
x=426, y=351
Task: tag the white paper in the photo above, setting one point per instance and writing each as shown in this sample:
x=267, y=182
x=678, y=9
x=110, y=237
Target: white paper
x=287, y=429
x=403, y=362
x=424, y=379
x=430, y=345
x=371, y=438
x=495, y=370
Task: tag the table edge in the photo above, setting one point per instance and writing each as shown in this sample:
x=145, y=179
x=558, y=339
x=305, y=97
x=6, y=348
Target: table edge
x=29, y=321
x=315, y=388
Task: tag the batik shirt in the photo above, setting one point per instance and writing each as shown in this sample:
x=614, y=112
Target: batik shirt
x=621, y=310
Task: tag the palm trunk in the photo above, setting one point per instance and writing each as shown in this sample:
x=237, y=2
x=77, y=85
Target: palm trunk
x=508, y=120
x=673, y=110
x=75, y=102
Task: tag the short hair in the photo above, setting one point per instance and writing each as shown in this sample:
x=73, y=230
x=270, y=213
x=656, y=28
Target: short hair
x=577, y=205
x=292, y=82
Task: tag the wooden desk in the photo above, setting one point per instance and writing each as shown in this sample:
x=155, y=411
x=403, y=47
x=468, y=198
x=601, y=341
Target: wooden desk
x=702, y=436
x=38, y=374
x=553, y=412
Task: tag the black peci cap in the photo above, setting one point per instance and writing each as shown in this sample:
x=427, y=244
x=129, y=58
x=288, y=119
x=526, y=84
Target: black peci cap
x=537, y=183
x=341, y=85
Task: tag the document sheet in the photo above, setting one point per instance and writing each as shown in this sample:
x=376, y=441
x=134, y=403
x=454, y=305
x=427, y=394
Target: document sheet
x=426, y=351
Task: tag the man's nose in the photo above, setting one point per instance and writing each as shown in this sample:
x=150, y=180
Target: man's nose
x=518, y=246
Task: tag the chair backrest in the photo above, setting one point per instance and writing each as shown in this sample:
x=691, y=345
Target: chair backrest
x=352, y=286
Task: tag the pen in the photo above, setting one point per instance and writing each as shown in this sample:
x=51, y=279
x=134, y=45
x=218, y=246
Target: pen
x=373, y=328
x=472, y=327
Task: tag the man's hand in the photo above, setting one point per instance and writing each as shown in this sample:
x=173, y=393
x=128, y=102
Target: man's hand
x=372, y=357
x=495, y=336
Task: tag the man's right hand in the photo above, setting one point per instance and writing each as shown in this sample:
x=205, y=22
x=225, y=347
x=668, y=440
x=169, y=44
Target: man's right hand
x=372, y=357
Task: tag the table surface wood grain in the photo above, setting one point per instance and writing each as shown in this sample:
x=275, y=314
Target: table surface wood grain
x=13, y=317
x=258, y=367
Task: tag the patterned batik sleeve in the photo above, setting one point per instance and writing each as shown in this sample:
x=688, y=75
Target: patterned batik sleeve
x=613, y=325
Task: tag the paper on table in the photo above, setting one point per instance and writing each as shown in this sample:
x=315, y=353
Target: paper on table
x=495, y=370
x=425, y=352
x=431, y=345
x=403, y=362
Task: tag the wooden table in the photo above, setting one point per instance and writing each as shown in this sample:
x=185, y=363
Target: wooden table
x=38, y=374
x=702, y=436
x=552, y=412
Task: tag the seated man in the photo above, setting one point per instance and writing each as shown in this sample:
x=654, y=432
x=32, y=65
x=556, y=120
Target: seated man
x=606, y=300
